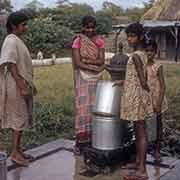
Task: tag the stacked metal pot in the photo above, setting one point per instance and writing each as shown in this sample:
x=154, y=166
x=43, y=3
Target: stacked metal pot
x=106, y=125
x=3, y=166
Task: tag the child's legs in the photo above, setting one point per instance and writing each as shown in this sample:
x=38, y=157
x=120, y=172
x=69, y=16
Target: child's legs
x=159, y=135
x=141, y=141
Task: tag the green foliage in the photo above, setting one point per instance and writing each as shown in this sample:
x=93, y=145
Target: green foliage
x=70, y=15
x=2, y=34
x=135, y=13
x=6, y=5
x=48, y=36
x=112, y=9
x=104, y=24
x=34, y=5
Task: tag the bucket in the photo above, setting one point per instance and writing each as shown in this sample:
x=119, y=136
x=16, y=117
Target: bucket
x=107, y=99
x=3, y=166
x=106, y=133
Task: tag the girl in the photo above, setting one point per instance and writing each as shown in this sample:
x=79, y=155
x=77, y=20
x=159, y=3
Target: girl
x=136, y=102
x=88, y=63
x=157, y=90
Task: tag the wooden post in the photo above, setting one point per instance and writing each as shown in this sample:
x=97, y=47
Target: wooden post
x=116, y=40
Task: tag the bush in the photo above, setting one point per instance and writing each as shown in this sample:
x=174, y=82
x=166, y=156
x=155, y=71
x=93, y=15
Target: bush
x=47, y=36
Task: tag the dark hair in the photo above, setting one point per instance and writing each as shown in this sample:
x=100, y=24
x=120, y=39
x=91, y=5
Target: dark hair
x=135, y=28
x=151, y=43
x=14, y=19
x=88, y=19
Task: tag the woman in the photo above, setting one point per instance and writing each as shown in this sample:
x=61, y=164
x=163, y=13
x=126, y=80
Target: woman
x=136, y=100
x=17, y=88
x=88, y=64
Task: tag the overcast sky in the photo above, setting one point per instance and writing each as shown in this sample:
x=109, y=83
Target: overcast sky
x=96, y=4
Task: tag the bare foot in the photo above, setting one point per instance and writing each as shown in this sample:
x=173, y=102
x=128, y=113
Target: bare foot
x=137, y=175
x=2, y=148
x=77, y=151
x=17, y=158
x=26, y=156
x=130, y=166
x=157, y=157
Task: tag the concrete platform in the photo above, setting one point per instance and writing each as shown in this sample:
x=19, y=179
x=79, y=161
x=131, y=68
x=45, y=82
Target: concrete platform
x=56, y=161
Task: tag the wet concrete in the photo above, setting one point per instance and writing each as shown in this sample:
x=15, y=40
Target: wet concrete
x=58, y=166
x=63, y=165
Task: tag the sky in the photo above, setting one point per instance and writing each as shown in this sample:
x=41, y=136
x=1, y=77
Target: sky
x=96, y=4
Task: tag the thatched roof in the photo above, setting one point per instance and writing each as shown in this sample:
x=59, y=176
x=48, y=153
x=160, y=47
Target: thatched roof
x=164, y=10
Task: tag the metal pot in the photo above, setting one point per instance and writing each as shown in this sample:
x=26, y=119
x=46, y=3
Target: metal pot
x=107, y=99
x=106, y=133
x=3, y=167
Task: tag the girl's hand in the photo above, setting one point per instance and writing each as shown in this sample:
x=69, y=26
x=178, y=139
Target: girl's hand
x=25, y=92
x=146, y=87
x=96, y=68
x=24, y=87
x=118, y=83
x=157, y=109
x=34, y=90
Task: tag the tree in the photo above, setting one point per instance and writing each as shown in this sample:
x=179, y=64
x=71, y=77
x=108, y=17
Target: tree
x=112, y=9
x=5, y=5
x=104, y=22
x=148, y=5
x=34, y=5
x=2, y=34
x=48, y=36
x=70, y=15
x=135, y=13
x=60, y=2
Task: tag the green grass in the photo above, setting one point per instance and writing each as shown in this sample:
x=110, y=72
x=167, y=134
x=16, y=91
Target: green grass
x=172, y=77
x=54, y=104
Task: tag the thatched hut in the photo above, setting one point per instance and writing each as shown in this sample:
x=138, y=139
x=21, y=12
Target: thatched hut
x=163, y=23
x=164, y=10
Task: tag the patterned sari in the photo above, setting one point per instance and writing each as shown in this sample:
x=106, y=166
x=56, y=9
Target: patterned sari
x=85, y=89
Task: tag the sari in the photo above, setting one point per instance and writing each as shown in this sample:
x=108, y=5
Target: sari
x=85, y=83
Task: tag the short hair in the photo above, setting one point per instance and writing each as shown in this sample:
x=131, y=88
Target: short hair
x=88, y=19
x=151, y=43
x=135, y=28
x=15, y=19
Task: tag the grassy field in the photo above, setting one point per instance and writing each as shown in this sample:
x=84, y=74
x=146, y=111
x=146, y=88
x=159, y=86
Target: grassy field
x=54, y=104
x=172, y=75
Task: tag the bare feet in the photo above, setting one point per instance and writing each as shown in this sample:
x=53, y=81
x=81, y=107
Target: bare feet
x=17, y=158
x=137, y=175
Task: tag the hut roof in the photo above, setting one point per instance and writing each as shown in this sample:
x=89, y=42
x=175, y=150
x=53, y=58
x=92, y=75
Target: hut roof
x=167, y=10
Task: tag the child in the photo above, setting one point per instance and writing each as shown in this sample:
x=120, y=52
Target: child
x=157, y=90
x=136, y=101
